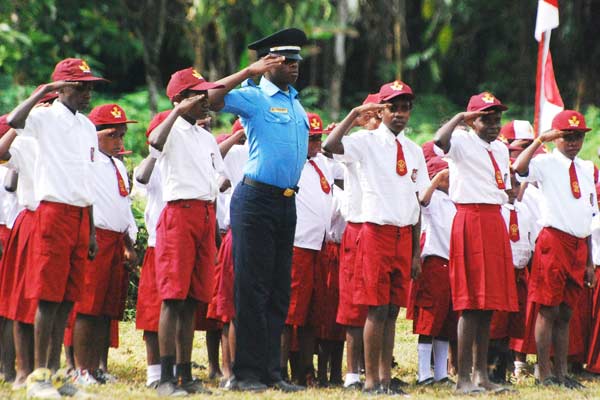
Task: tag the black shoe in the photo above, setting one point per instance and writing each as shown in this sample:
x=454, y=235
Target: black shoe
x=375, y=391
x=170, y=389
x=445, y=382
x=426, y=382
x=354, y=386
x=397, y=382
x=571, y=383
x=247, y=385
x=549, y=381
x=283, y=386
x=394, y=391
x=194, y=386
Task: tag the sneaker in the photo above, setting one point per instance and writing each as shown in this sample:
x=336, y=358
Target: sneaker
x=83, y=377
x=153, y=384
x=170, y=389
x=61, y=380
x=194, y=386
x=39, y=385
x=354, y=386
x=104, y=377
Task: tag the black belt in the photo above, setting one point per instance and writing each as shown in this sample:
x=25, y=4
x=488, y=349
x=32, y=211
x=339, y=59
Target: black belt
x=288, y=192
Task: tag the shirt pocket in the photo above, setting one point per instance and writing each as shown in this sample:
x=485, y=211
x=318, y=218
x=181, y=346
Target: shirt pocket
x=277, y=118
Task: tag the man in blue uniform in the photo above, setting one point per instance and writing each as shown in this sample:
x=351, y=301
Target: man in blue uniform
x=263, y=207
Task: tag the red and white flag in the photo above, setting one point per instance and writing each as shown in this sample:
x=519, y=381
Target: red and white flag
x=548, y=102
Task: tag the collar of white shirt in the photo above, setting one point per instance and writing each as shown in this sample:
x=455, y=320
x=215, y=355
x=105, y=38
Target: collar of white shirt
x=105, y=158
x=388, y=136
x=65, y=113
x=564, y=159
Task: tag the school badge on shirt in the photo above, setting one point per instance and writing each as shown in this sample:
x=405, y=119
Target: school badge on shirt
x=92, y=150
x=413, y=176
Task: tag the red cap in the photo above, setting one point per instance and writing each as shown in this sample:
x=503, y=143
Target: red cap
x=485, y=101
x=394, y=89
x=4, y=126
x=435, y=165
x=222, y=137
x=428, y=151
x=156, y=121
x=74, y=69
x=237, y=125
x=188, y=78
x=372, y=98
x=109, y=114
x=570, y=120
x=315, y=124
x=517, y=130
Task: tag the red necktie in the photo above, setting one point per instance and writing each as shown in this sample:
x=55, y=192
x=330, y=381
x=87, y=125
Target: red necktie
x=574, y=182
x=122, y=188
x=400, y=162
x=497, y=173
x=513, y=226
x=324, y=184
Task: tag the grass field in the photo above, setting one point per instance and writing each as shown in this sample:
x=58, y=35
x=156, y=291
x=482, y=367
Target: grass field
x=129, y=360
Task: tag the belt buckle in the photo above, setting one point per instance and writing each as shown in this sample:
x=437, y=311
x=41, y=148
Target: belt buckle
x=288, y=192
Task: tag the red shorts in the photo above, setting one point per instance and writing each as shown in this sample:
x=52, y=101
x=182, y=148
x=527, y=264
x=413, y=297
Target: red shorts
x=114, y=334
x=505, y=324
x=4, y=234
x=186, y=250
x=222, y=307
x=16, y=258
x=326, y=297
x=431, y=301
x=304, y=262
x=349, y=313
x=203, y=323
x=385, y=254
x=580, y=327
x=482, y=275
x=558, y=268
x=593, y=356
x=59, y=249
x=103, y=277
x=148, y=303
x=9, y=268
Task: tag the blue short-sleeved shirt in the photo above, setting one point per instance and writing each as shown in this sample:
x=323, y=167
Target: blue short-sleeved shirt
x=277, y=129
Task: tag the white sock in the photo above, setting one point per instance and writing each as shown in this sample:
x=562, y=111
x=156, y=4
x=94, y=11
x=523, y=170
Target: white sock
x=152, y=373
x=424, y=351
x=351, y=378
x=440, y=357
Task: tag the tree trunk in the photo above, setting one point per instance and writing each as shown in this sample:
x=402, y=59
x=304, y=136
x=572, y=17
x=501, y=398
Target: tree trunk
x=339, y=65
x=399, y=12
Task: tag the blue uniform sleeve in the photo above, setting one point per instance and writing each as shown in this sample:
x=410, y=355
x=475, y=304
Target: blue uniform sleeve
x=242, y=102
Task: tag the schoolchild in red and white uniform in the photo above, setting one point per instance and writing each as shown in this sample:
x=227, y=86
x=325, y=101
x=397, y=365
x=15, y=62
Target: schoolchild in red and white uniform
x=63, y=236
x=148, y=182
x=313, y=209
x=185, y=233
x=434, y=320
x=392, y=172
x=481, y=268
x=562, y=262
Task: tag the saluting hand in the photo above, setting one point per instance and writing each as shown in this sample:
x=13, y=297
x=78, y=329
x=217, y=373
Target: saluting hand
x=470, y=116
x=264, y=64
x=367, y=111
x=550, y=135
x=54, y=86
x=187, y=104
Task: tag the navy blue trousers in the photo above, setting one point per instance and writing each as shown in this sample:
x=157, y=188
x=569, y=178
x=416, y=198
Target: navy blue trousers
x=263, y=226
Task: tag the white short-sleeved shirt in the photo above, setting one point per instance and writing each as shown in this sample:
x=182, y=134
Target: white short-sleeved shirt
x=189, y=162
x=154, y=202
x=223, y=199
x=111, y=210
x=472, y=174
x=234, y=162
x=560, y=209
x=70, y=145
x=596, y=239
x=313, y=206
x=4, y=201
x=338, y=223
x=522, y=249
x=387, y=198
x=438, y=216
x=533, y=199
x=24, y=152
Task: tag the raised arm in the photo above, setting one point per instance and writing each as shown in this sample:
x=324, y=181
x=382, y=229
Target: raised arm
x=444, y=133
x=5, y=143
x=425, y=197
x=228, y=143
x=521, y=164
x=159, y=135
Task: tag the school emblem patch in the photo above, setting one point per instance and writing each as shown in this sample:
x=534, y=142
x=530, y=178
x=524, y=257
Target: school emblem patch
x=574, y=121
x=488, y=98
x=196, y=74
x=315, y=124
x=396, y=85
x=84, y=67
x=116, y=112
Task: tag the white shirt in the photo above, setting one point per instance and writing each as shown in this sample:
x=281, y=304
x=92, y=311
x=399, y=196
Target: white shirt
x=24, y=152
x=596, y=239
x=111, y=210
x=472, y=175
x=313, y=206
x=387, y=198
x=523, y=248
x=189, y=163
x=560, y=209
x=533, y=199
x=352, y=205
x=438, y=216
x=70, y=145
x=154, y=202
x=338, y=223
x=234, y=162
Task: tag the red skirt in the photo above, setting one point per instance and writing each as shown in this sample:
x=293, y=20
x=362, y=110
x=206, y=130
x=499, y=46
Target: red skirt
x=222, y=307
x=593, y=355
x=349, y=313
x=481, y=268
x=148, y=302
x=326, y=298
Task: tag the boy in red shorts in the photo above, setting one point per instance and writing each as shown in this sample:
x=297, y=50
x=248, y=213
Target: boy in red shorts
x=562, y=262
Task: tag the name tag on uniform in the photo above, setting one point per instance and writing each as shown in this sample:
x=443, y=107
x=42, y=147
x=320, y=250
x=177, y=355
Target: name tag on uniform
x=279, y=110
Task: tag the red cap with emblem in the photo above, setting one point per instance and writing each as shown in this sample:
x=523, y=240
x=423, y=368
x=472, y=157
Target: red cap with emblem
x=315, y=124
x=74, y=69
x=190, y=79
x=372, y=98
x=485, y=101
x=109, y=114
x=436, y=164
x=394, y=89
x=237, y=125
x=517, y=130
x=156, y=121
x=569, y=120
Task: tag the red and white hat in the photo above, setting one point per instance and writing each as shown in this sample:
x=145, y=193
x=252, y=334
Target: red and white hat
x=190, y=79
x=315, y=124
x=157, y=120
x=394, y=89
x=485, y=101
x=517, y=129
x=570, y=120
x=109, y=114
x=74, y=69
